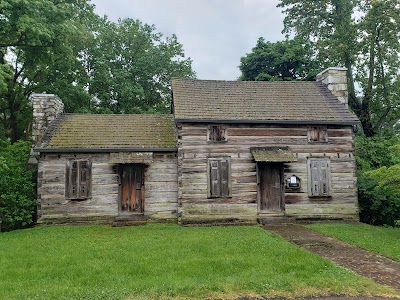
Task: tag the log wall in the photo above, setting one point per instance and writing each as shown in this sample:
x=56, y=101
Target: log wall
x=160, y=189
x=194, y=151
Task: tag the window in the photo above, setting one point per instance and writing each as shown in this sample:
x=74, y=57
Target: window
x=319, y=177
x=317, y=134
x=78, y=179
x=219, y=177
x=216, y=133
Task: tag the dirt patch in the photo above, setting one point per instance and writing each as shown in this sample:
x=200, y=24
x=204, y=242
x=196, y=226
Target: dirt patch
x=380, y=269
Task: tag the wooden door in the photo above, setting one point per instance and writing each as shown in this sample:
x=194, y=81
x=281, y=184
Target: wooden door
x=271, y=192
x=132, y=188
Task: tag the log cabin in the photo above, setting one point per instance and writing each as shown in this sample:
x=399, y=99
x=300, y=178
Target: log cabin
x=103, y=168
x=230, y=152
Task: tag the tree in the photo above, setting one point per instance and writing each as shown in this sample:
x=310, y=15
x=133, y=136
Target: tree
x=378, y=166
x=131, y=66
x=94, y=65
x=17, y=190
x=284, y=60
x=361, y=35
x=40, y=41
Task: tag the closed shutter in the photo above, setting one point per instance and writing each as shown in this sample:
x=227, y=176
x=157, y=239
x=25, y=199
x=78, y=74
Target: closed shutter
x=324, y=178
x=315, y=178
x=78, y=179
x=85, y=171
x=319, y=177
x=224, y=172
x=217, y=133
x=317, y=134
x=219, y=177
x=214, y=179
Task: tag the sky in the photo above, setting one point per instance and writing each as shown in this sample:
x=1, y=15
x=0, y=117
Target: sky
x=215, y=34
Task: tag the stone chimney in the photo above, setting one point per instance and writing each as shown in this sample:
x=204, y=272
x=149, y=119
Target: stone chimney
x=336, y=81
x=46, y=108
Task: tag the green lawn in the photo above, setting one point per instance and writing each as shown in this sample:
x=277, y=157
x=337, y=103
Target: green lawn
x=163, y=262
x=381, y=240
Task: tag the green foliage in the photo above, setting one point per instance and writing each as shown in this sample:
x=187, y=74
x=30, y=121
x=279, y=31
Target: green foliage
x=40, y=43
x=166, y=262
x=17, y=190
x=376, y=152
x=285, y=60
x=92, y=64
x=381, y=240
x=378, y=162
x=131, y=67
x=363, y=37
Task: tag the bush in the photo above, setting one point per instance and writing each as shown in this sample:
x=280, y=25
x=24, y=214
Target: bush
x=379, y=202
x=17, y=190
x=378, y=168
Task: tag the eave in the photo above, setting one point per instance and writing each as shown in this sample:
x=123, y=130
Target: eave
x=278, y=122
x=102, y=150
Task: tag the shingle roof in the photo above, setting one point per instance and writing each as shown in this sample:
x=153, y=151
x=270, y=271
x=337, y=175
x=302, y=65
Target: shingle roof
x=258, y=101
x=272, y=154
x=86, y=131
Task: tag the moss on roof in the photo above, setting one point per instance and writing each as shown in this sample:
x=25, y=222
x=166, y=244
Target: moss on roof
x=272, y=154
x=88, y=131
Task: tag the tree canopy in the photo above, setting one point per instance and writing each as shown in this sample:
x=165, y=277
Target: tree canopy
x=361, y=35
x=93, y=64
x=283, y=60
x=130, y=67
x=40, y=42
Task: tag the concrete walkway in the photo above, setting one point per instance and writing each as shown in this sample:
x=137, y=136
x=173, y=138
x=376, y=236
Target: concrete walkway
x=380, y=269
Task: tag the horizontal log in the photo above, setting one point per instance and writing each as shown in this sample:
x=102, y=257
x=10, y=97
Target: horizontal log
x=330, y=210
x=104, y=179
x=226, y=209
x=158, y=177
x=105, y=189
x=245, y=199
x=161, y=187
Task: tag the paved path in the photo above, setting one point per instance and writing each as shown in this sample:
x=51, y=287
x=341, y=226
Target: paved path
x=380, y=269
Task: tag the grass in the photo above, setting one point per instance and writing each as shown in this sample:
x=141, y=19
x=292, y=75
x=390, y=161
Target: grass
x=164, y=262
x=381, y=240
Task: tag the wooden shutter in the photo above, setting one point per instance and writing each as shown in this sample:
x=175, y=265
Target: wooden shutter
x=78, y=179
x=219, y=177
x=215, y=190
x=313, y=134
x=224, y=177
x=324, y=183
x=314, y=165
x=323, y=134
x=216, y=133
x=319, y=177
x=84, y=181
x=317, y=134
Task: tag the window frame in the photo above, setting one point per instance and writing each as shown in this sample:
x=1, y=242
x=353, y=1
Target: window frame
x=73, y=179
x=321, y=131
x=223, y=184
x=320, y=167
x=217, y=133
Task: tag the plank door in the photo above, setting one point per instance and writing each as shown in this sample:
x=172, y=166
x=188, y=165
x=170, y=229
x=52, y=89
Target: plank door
x=271, y=191
x=132, y=188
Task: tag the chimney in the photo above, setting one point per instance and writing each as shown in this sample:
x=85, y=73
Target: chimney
x=46, y=108
x=336, y=81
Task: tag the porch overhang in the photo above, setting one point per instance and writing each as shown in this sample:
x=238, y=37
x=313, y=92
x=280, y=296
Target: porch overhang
x=131, y=157
x=272, y=154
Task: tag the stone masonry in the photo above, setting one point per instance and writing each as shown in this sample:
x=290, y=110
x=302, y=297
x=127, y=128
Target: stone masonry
x=46, y=107
x=336, y=81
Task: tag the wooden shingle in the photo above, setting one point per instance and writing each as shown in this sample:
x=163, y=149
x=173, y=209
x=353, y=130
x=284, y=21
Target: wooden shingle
x=85, y=131
x=208, y=100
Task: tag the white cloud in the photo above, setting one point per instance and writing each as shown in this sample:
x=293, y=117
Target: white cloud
x=214, y=33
